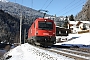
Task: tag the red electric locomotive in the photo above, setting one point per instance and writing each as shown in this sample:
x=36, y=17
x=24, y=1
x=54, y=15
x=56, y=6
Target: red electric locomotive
x=42, y=32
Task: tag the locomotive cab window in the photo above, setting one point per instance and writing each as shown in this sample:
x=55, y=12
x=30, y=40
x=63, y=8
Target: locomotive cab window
x=45, y=25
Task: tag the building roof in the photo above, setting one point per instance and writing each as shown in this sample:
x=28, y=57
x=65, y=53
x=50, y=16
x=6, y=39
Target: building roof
x=79, y=23
x=75, y=22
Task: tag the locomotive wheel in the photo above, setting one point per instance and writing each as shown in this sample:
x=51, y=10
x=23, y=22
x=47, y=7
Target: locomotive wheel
x=43, y=45
x=29, y=41
x=32, y=42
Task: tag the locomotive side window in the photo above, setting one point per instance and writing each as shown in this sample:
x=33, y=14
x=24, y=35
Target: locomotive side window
x=31, y=30
x=45, y=25
x=34, y=25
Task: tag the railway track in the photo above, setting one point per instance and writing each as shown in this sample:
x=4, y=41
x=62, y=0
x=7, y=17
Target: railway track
x=81, y=49
x=76, y=52
x=77, y=55
x=73, y=53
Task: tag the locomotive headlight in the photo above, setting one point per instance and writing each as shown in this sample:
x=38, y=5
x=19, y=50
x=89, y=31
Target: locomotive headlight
x=45, y=20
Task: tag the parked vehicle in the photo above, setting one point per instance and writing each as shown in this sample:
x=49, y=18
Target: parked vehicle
x=61, y=34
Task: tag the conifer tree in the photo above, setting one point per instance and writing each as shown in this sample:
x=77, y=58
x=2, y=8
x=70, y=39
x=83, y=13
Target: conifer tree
x=66, y=22
x=71, y=18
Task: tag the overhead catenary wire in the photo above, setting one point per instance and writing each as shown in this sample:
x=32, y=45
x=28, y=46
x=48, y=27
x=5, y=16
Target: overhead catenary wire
x=66, y=6
x=49, y=4
x=70, y=7
x=44, y=4
x=73, y=4
x=73, y=8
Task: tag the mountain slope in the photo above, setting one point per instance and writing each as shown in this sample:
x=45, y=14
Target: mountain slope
x=16, y=9
x=10, y=16
x=9, y=25
x=28, y=14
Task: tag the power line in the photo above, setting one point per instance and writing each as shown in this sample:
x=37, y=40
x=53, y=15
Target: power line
x=48, y=4
x=72, y=5
x=73, y=8
x=66, y=6
x=44, y=4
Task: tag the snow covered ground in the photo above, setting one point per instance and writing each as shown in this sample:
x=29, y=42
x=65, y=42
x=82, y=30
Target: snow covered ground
x=28, y=52
x=77, y=39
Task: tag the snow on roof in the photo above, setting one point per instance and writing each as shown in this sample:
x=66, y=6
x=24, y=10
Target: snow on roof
x=75, y=22
x=85, y=22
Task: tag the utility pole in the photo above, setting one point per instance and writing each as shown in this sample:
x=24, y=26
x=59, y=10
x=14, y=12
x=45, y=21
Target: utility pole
x=20, y=27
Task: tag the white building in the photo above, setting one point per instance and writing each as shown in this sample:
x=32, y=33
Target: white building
x=76, y=26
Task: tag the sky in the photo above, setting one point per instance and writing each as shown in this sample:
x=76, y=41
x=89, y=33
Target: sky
x=58, y=7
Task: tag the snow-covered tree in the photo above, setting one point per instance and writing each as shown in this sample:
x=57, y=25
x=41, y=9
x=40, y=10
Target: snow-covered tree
x=4, y=0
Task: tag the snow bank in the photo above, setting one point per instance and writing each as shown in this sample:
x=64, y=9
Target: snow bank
x=28, y=52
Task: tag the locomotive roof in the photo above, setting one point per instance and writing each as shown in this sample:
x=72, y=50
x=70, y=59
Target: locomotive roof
x=43, y=18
